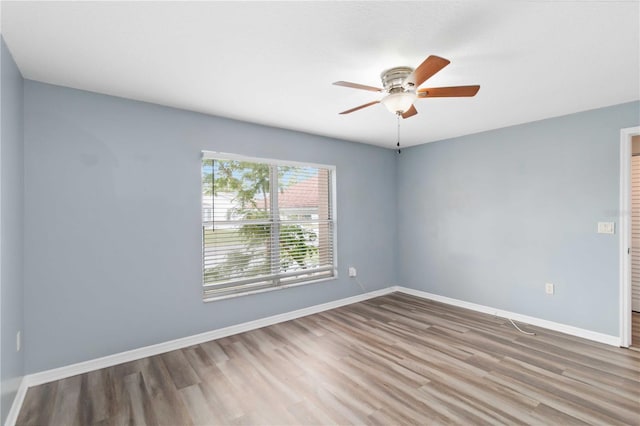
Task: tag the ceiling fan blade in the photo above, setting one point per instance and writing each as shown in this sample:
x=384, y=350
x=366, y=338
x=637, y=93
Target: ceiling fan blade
x=410, y=112
x=445, y=92
x=359, y=107
x=425, y=70
x=357, y=86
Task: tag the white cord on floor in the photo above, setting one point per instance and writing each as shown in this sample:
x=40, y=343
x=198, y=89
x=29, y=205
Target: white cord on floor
x=520, y=330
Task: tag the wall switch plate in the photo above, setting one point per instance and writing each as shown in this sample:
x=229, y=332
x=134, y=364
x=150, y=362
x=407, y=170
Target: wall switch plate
x=606, y=227
x=548, y=288
x=352, y=271
x=18, y=341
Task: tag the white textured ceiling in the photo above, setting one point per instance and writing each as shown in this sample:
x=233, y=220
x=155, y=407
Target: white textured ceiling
x=273, y=62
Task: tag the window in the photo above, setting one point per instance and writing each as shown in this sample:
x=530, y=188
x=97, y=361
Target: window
x=265, y=224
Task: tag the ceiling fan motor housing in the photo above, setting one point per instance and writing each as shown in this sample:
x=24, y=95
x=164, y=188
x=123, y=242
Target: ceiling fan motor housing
x=394, y=78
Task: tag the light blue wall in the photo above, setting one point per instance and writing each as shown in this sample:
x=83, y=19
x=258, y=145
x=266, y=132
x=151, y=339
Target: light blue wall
x=112, y=222
x=489, y=218
x=11, y=228
x=112, y=232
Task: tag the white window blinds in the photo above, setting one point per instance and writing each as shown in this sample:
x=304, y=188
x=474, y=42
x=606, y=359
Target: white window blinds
x=264, y=225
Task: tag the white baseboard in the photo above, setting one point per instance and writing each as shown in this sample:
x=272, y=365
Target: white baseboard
x=555, y=326
x=12, y=417
x=147, y=351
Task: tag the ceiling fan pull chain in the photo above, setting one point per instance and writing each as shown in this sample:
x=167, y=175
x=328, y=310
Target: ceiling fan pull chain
x=398, y=144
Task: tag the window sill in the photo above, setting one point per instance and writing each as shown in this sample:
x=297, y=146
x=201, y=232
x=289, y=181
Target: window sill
x=264, y=290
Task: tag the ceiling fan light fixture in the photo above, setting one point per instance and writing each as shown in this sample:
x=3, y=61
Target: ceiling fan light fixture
x=399, y=102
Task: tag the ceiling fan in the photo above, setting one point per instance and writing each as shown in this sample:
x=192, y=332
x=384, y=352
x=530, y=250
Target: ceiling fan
x=401, y=87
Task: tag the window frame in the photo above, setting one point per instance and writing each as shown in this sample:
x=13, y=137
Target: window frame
x=215, y=155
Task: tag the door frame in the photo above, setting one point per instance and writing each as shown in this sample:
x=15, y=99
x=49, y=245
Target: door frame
x=625, y=233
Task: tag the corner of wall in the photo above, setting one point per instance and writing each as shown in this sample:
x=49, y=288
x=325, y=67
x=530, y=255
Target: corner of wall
x=11, y=232
x=396, y=240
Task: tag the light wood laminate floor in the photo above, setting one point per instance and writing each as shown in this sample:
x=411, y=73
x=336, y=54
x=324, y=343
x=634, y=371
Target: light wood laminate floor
x=392, y=360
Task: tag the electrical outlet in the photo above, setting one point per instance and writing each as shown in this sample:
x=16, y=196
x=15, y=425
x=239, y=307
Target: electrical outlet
x=18, y=341
x=549, y=288
x=352, y=272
